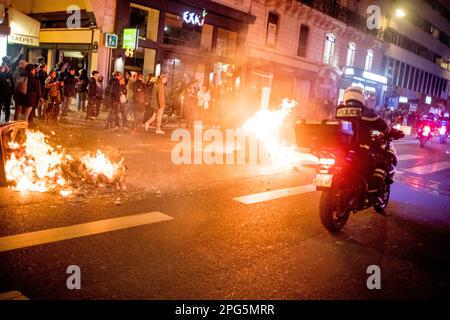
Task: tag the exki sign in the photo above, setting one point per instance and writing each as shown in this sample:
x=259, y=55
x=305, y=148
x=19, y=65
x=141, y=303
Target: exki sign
x=193, y=18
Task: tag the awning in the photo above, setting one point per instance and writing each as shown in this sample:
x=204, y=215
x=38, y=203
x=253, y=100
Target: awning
x=24, y=30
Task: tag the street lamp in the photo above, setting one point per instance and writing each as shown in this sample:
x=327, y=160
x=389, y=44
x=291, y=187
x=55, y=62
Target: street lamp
x=399, y=13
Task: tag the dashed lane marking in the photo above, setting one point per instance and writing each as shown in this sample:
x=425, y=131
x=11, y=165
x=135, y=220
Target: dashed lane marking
x=30, y=239
x=275, y=194
x=429, y=168
x=408, y=157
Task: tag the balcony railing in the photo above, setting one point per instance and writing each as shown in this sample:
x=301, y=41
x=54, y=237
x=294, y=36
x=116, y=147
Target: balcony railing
x=333, y=9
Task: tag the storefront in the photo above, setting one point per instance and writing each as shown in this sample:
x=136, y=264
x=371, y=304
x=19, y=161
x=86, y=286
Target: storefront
x=24, y=33
x=192, y=40
x=57, y=43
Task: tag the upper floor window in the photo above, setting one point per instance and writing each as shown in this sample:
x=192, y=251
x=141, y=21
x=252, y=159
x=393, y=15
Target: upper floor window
x=328, y=52
x=303, y=40
x=350, y=57
x=272, y=29
x=146, y=20
x=369, y=60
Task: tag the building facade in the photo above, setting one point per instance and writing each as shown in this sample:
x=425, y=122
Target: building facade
x=418, y=57
x=192, y=40
x=311, y=51
x=69, y=31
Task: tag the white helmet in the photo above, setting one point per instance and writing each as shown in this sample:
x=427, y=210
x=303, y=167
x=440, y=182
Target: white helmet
x=354, y=95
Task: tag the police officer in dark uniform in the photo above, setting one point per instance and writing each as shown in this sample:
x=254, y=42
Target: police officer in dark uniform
x=366, y=122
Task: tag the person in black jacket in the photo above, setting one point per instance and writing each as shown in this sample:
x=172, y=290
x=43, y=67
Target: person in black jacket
x=42, y=76
x=6, y=90
x=112, y=97
x=367, y=122
x=92, y=94
x=26, y=102
x=69, y=91
x=82, y=90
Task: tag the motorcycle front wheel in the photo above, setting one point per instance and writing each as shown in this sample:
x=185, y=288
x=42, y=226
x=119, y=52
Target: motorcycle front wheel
x=381, y=205
x=334, y=212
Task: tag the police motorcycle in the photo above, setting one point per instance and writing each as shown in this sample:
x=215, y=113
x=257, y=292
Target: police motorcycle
x=340, y=174
x=443, y=128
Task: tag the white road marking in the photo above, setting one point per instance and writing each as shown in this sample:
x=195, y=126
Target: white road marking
x=429, y=168
x=275, y=194
x=405, y=142
x=408, y=157
x=79, y=230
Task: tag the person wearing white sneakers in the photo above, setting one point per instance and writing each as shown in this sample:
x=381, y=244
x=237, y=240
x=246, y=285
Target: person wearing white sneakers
x=158, y=101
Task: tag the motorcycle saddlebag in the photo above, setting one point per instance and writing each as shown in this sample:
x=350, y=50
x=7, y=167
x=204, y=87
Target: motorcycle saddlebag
x=326, y=134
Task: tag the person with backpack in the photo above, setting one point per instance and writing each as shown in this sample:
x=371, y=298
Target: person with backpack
x=27, y=92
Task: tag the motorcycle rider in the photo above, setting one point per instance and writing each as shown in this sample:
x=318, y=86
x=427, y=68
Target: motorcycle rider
x=368, y=121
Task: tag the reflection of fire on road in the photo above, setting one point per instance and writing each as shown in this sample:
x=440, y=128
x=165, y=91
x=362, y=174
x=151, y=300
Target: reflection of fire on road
x=34, y=165
x=267, y=126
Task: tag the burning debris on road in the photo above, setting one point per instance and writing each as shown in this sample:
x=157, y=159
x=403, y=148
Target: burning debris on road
x=34, y=165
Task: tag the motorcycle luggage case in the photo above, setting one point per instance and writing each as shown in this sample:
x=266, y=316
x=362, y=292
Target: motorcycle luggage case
x=326, y=134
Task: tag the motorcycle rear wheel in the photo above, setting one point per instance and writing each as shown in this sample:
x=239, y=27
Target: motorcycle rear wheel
x=334, y=212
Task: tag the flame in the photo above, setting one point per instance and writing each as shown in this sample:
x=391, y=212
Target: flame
x=100, y=165
x=37, y=166
x=266, y=126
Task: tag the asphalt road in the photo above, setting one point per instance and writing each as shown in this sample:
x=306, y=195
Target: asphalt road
x=213, y=246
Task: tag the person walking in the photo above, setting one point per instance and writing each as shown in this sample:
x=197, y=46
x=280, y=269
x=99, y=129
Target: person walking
x=158, y=101
x=6, y=90
x=69, y=91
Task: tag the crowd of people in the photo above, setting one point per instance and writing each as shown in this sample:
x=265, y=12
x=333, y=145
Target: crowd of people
x=131, y=99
